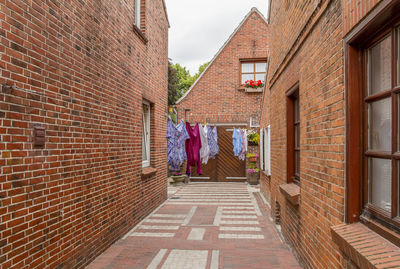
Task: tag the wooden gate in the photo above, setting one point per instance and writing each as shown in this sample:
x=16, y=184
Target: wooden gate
x=225, y=167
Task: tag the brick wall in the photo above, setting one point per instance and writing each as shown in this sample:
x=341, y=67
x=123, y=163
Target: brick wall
x=354, y=11
x=314, y=57
x=216, y=97
x=81, y=72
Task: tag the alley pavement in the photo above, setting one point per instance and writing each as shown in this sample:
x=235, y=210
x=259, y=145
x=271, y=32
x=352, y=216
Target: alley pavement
x=203, y=226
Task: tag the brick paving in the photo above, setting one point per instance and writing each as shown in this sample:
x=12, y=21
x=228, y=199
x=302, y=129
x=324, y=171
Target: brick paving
x=203, y=226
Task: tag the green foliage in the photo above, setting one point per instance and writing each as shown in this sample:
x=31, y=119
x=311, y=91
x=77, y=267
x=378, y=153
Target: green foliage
x=253, y=137
x=173, y=81
x=185, y=80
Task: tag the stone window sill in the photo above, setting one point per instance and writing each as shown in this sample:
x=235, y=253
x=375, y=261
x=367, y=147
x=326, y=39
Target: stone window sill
x=364, y=247
x=251, y=90
x=140, y=34
x=291, y=192
x=148, y=172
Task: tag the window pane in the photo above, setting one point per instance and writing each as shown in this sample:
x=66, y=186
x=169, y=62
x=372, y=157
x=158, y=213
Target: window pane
x=144, y=149
x=260, y=77
x=248, y=68
x=261, y=67
x=380, y=184
x=297, y=162
x=137, y=15
x=398, y=56
x=380, y=125
x=296, y=109
x=380, y=71
x=246, y=77
x=398, y=122
x=297, y=136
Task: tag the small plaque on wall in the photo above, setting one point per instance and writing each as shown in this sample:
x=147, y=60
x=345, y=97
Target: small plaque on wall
x=39, y=136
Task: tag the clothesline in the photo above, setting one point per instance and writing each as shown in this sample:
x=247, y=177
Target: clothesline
x=195, y=145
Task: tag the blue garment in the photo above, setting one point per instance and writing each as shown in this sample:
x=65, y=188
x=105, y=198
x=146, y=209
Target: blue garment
x=237, y=141
x=176, y=136
x=212, y=140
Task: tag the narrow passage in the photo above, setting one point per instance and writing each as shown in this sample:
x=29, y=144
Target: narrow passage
x=203, y=226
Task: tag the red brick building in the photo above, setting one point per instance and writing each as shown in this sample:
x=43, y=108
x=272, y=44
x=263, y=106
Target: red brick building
x=331, y=111
x=218, y=98
x=81, y=80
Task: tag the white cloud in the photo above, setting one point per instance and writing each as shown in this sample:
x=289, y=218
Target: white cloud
x=199, y=28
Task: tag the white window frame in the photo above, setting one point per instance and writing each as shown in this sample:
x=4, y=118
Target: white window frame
x=137, y=12
x=253, y=123
x=267, y=150
x=146, y=129
x=262, y=149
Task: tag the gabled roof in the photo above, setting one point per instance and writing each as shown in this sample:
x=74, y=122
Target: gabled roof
x=254, y=9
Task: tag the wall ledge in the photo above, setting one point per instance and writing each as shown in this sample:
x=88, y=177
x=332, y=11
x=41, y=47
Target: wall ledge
x=291, y=192
x=364, y=247
x=148, y=172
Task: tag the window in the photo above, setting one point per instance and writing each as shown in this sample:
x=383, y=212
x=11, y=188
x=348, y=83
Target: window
x=265, y=150
x=381, y=152
x=373, y=121
x=293, y=136
x=146, y=135
x=253, y=70
x=138, y=13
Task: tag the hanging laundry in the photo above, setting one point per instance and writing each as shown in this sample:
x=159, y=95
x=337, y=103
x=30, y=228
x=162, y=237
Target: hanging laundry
x=212, y=139
x=236, y=141
x=193, y=146
x=242, y=154
x=176, y=135
x=205, y=149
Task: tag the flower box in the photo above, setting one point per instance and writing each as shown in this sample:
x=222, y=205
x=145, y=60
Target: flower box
x=253, y=159
x=253, y=178
x=259, y=89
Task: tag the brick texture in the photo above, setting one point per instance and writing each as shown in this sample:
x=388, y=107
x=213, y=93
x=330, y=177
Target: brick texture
x=217, y=97
x=306, y=46
x=81, y=72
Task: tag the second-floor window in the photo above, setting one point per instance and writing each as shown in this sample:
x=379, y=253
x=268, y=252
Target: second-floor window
x=252, y=70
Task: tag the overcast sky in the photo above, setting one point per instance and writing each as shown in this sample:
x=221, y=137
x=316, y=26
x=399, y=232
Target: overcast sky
x=199, y=28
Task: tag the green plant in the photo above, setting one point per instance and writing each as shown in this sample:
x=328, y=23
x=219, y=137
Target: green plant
x=253, y=137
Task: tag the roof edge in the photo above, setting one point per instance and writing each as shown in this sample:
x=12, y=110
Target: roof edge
x=166, y=13
x=253, y=9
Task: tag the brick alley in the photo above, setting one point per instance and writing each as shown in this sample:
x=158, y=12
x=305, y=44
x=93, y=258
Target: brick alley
x=203, y=225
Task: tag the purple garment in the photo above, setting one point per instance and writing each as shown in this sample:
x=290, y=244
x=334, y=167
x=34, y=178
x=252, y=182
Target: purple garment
x=193, y=145
x=176, y=136
x=212, y=140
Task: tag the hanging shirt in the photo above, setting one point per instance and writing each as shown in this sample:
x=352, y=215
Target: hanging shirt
x=236, y=141
x=242, y=154
x=212, y=139
x=193, y=145
x=205, y=149
x=176, y=136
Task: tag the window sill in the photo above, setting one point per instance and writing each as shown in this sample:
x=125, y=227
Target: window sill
x=148, y=172
x=291, y=192
x=140, y=34
x=251, y=90
x=364, y=247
